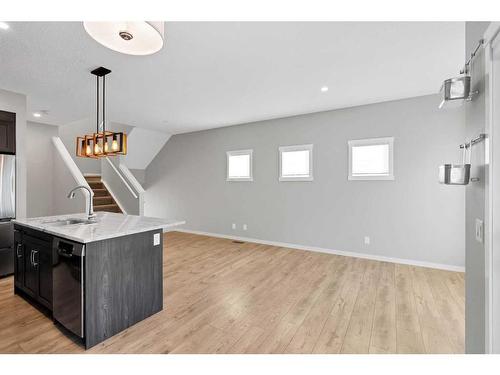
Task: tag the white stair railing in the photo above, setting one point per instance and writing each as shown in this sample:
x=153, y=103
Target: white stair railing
x=136, y=184
x=127, y=185
x=129, y=192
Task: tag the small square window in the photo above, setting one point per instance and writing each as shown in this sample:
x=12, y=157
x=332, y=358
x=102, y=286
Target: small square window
x=296, y=163
x=239, y=165
x=371, y=159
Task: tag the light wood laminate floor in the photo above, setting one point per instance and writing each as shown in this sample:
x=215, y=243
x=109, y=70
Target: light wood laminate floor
x=224, y=297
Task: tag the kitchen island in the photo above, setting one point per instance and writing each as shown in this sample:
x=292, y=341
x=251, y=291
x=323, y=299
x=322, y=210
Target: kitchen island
x=95, y=279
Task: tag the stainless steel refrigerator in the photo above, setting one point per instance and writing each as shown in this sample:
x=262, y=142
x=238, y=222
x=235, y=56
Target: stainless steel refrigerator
x=7, y=212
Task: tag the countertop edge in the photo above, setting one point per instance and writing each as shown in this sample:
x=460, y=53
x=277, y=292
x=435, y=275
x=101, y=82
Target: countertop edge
x=163, y=227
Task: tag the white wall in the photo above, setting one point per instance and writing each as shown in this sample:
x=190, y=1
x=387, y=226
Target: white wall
x=13, y=102
x=412, y=217
x=143, y=146
x=40, y=167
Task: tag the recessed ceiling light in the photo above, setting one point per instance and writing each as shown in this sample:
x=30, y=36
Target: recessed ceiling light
x=4, y=25
x=324, y=89
x=37, y=114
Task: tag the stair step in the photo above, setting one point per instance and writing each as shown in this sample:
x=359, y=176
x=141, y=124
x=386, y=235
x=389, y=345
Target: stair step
x=103, y=201
x=108, y=208
x=100, y=192
x=107, y=199
x=96, y=185
x=93, y=178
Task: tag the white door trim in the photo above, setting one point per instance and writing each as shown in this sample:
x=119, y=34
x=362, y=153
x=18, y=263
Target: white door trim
x=492, y=202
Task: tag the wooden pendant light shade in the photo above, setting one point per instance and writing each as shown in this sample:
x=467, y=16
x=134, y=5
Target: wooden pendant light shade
x=98, y=145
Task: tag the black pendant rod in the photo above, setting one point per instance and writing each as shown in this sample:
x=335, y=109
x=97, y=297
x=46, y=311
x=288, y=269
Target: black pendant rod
x=97, y=118
x=104, y=105
x=101, y=72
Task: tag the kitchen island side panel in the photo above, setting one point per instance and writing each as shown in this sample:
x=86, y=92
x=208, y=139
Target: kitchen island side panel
x=123, y=284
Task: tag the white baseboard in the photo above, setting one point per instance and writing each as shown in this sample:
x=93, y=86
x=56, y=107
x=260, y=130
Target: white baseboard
x=381, y=258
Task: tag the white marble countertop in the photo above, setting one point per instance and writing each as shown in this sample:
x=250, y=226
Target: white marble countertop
x=108, y=225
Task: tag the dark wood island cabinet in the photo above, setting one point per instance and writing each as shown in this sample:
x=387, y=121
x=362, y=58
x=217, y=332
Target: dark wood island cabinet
x=96, y=288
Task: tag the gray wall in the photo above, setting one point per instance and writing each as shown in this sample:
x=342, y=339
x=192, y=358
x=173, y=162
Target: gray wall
x=140, y=175
x=412, y=217
x=475, y=200
x=40, y=166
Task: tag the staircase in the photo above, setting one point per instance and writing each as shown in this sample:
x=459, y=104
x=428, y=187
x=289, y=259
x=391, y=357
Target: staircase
x=103, y=201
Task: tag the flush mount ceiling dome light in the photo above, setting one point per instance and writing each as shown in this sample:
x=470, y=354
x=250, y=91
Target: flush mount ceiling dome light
x=132, y=38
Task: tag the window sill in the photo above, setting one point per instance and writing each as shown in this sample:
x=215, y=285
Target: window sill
x=285, y=179
x=243, y=179
x=371, y=178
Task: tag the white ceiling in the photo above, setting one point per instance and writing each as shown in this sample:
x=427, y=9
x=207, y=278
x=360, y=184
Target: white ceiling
x=212, y=74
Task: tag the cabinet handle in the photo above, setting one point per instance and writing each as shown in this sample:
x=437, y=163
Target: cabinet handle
x=31, y=258
x=34, y=253
x=19, y=253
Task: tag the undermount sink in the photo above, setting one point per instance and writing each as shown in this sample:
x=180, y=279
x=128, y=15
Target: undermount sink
x=70, y=221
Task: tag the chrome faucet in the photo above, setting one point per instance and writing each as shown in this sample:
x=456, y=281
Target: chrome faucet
x=90, y=212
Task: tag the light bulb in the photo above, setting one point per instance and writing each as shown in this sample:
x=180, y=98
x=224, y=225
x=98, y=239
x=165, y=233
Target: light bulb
x=88, y=150
x=106, y=147
x=97, y=149
x=114, y=145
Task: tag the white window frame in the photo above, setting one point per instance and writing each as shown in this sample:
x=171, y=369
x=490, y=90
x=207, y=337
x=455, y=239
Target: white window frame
x=371, y=142
x=236, y=153
x=297, y=148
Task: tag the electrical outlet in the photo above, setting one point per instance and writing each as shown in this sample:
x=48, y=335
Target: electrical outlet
x=245, y=227
x=367, y=240
x=479, y=230
x=156, y=239
x=233, y=226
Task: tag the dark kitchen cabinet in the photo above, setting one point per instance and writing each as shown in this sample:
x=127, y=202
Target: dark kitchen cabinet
x=30, y=269
x=44, y=262
x=7, y=132
x=33, y=267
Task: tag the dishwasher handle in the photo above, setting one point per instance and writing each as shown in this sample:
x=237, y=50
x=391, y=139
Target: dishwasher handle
x=64, y=254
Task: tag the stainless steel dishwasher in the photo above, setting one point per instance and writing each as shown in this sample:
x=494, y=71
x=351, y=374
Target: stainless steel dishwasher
x=68, y=285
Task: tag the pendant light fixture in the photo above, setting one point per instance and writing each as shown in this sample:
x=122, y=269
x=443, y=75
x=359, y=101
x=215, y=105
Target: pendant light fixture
x=132, y=38
x=103, y=142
